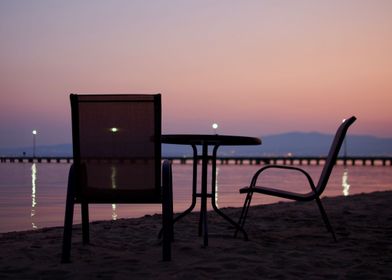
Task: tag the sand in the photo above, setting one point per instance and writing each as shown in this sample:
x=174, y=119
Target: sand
x=287, y=241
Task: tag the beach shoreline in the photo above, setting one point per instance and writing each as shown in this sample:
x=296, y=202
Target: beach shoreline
x=286, y=240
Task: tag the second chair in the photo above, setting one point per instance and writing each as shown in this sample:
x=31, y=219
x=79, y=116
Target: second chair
x=315, y=190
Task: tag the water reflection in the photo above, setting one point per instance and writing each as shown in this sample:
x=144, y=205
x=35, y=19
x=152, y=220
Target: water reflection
x=216, y=186
x=33, y=194
x=113, y=178
x=345, y=184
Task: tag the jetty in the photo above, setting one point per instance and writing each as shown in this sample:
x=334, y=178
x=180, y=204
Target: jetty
x=298, y=160
x=36, y=159
x=262, y=160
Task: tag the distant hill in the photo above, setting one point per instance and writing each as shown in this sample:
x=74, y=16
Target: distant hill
x=300, y=144
x=314, y=144
x=295, y=143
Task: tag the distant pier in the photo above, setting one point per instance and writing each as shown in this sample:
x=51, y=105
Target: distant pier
x=304, y=160
x=308, y=160
x=37, y=159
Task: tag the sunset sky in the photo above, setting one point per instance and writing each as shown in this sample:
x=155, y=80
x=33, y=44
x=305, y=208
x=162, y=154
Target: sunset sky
x=254, y=67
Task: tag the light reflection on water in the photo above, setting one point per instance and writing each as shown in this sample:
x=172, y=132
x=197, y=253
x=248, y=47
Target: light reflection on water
x=114, y=186
x=217, y=186
x=33, y=195
x=345, y=184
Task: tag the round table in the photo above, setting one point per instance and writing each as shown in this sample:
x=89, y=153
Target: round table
x=205, y=141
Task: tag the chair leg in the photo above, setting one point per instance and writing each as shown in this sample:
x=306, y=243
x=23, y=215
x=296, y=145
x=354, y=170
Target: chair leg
x=325, y=218
x=167, y=221
x=244, y=212
x=167, y=211
x=68, y=219
x=85, y=223
x=201, y=216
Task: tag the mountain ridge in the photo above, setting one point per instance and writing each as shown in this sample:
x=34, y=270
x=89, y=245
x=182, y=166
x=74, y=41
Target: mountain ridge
x=290, y=143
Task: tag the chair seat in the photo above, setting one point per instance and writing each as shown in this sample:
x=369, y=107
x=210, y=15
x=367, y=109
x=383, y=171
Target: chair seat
x=280, y=193
x=95, y=195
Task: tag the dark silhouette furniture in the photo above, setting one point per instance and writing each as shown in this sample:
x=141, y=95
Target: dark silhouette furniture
x=315, y=190
x=117, y=159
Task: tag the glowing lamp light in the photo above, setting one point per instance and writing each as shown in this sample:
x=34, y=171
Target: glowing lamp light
x=34, y=134
x=114, y=129
x=214, y=127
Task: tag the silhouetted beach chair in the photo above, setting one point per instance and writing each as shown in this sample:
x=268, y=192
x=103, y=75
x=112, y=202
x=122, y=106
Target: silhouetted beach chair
x=315, y=191
x=117, y=159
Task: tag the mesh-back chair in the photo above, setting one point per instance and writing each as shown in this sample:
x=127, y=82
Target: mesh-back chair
x=117, y=159
x=315, y=190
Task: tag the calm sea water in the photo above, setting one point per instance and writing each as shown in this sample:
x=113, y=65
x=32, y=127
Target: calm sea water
x=32, y=195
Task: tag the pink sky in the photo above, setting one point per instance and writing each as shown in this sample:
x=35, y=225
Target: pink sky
x=254, y=67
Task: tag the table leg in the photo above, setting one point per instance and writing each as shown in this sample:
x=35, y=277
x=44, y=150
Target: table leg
x=203, y=210
x=213, y=195
x=194, y=190
x=194, y=186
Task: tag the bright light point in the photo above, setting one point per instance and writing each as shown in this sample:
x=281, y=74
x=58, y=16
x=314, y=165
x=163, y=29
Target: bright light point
x=214, y=125
x=114, y=129
x=34, y=132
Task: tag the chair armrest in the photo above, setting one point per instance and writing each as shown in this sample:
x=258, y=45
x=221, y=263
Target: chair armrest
x=256, y=176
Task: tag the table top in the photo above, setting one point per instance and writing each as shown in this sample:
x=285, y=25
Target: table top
x=209, y=139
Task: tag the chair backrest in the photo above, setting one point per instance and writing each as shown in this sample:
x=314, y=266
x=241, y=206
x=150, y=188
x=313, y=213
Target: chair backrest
x=333, y=153
x=117, y=148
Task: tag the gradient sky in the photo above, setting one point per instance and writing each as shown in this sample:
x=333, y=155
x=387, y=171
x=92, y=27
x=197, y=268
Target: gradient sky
x=255, y=67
